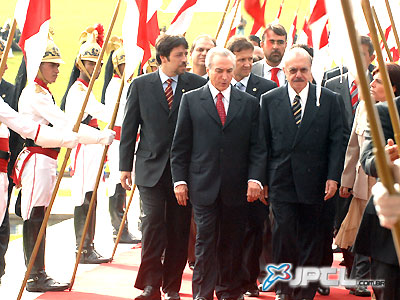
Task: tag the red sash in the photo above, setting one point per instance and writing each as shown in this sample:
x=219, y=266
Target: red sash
x=4, y=147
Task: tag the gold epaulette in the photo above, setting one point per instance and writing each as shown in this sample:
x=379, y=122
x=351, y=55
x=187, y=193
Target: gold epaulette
x=81, y=87
x=39, y=90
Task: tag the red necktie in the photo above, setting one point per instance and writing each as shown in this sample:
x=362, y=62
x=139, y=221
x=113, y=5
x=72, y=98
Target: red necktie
x=168, y=93
x=354, y=95
x=221, y=108
x=274, y=75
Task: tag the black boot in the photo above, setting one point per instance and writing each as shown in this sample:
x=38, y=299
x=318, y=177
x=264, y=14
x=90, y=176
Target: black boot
x=89, y=254
x=116, y=208
x=38, y=280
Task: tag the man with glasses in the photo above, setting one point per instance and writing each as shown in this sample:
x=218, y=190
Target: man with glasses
x=274, y=44
x=305, y=151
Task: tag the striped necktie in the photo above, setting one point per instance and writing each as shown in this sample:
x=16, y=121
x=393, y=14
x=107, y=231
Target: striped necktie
x=354, y=96
x=168, y=93
x=296, y=108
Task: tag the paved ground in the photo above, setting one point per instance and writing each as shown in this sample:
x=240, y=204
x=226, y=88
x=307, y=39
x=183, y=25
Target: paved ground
x=60, y=244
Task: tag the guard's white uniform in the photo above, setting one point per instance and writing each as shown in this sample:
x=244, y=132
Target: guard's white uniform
x=85, y=159
x=113, y=151
x=4, y=134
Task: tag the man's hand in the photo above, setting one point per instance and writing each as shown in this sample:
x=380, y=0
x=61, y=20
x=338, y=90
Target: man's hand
x=181, y=194
x=330, y=189
x=254, y=191
x=392, y=150
x=344, y=192
x=264, y=195
x=387, y=206
x=126, y=176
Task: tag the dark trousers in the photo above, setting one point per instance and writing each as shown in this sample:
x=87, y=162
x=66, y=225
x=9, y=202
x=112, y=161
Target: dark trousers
x=257, y=213
x=295, y=237
x=165, y=227
x=391, y=275
x=5, y=232
x=220, y=232
x=327, y=230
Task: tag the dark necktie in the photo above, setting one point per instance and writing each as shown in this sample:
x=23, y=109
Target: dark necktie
x=296, y=108
x=221, y=108
x=274, y=75
x=354, y=95
x=168, y=93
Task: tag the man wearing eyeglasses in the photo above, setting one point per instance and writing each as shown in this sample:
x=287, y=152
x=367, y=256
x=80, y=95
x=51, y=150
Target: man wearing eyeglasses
x=305, y=153
x=274, y=44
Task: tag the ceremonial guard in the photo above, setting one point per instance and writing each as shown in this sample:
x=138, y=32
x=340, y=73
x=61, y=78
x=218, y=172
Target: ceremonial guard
x=116, y=193
x=86, y=158
x=35, y=169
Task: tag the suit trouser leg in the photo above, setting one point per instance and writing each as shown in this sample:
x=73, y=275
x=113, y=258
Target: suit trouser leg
x=361, y=267
x=327, y=228
x=5, y=232
x=391, y=275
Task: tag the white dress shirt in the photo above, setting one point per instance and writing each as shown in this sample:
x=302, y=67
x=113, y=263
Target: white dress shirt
x=281, y=75
x=164, y=79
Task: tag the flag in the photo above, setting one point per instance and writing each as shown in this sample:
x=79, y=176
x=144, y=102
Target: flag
x=201, y=6
x=305, y=36
x=292, y=32
x=183, y=18
x=257, y=26
x=33, y=19
x=254, y=9
x=227, y=31
x=318, y=12
x=278, y=16
x=139, y=30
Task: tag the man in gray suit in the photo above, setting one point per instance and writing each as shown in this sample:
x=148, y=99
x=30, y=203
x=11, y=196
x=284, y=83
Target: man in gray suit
x=274, y=42
x=153, y=102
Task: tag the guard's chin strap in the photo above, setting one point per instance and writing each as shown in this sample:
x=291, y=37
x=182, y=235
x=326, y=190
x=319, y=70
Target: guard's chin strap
x=82, y=67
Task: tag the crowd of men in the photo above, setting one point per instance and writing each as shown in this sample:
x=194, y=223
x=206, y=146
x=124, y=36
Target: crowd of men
x=238, y=164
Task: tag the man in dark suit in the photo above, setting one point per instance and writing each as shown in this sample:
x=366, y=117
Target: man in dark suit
x=153, y=102
x=217, y=158
x=304, y=136
x=257, y=212
x=373, y=240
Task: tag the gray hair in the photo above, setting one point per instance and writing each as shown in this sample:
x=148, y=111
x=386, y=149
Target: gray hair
x=296, y=52
x=220, y=52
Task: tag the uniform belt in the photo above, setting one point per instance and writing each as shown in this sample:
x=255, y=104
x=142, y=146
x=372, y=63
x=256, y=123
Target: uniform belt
x=4, y=155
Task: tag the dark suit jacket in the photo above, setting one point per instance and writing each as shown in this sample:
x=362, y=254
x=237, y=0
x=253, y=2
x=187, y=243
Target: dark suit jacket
x=215, y=159
x=7, y=93
x=372, y=239
x=300, y=160
x=256, y=86
x=147, y=106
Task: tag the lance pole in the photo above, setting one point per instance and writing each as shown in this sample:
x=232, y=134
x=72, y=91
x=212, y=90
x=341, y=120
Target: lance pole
x=222, y=19
x=7, y=48
x=382, y=34
x=233, y=20
x=396, y=36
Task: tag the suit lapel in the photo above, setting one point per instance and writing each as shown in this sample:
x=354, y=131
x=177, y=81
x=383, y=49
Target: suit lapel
x=284, y=105
x=309, y=113
x=181, y=87
x=158, y=90
x=252, y=85
x=208, y=104
x=234, y=106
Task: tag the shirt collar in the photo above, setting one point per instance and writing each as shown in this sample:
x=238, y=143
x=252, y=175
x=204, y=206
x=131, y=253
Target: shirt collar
x=164, y=77
x=244, y=81
x=268, y=68
x=303, y=94
x=214, y=92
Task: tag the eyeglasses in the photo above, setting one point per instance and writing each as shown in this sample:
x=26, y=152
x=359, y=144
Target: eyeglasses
x=279, y=42
x=295, y=70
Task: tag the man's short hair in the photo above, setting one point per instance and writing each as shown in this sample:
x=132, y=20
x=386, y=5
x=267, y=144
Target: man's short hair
x=295, y=52
x=305, y=47
x=278, y=29
x=220, y=52
x=239, y=43
x=165, y=43
x=254, y=38
x=202, y=36
x=365, y=40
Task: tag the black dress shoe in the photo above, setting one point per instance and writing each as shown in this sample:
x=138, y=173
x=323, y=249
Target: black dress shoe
x=149, y=293
x=91, y=256
x=323, y=290
x=282, y=297
x=126, y=238
x=360, y=291
x=42, y=283
x=172, y=296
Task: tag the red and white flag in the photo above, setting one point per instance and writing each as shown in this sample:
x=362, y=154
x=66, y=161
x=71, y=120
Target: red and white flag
x=278, y=16
x=257, y=26
x=33, y=19
x=257, y=12
x=292, y=32
x=139, y=30
x=305, y=36
x=227, y=30
x=183, y=18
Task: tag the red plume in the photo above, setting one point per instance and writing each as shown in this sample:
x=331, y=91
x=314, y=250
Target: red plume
x=100, y=37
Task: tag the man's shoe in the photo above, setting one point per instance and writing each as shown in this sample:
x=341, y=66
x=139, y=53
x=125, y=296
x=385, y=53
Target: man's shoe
x=90, y=256
x=323, y=290
x=360, y=291
x=282, y=297
x=149, y=293
x=42, y=283
x=252, y=293
x=126, y=238
x=172, y=296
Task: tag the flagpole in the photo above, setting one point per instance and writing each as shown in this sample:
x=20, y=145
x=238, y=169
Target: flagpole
x=389, y=95
x=233, y=20
x=223, y=19
x=66, y=157
x=382, y=162
x=382, y=34
x=396, y=36
x=122, y=225
x=93, y=200
x=7, y=49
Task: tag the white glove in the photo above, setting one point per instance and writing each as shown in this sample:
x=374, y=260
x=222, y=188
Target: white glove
x=106, y=136
x=89, y=135
x=387, y=206
x=50, y=137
